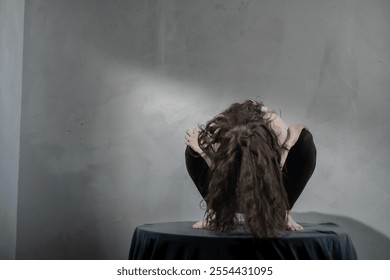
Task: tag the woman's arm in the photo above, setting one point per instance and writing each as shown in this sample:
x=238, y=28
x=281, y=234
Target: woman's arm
x=287, y=135
x=283, y=157
x=191, y=140
x=278, y=126
x=293, y=133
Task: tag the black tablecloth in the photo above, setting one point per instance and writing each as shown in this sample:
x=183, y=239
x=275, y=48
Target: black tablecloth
x=178, y=240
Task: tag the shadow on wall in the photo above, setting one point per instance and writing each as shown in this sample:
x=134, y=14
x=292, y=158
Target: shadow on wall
x=369, y=243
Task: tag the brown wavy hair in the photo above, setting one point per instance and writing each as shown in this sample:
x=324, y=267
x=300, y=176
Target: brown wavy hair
x=245, y=175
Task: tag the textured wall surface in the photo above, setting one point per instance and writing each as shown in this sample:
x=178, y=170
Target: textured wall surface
x=11, y=56
x=109, y=88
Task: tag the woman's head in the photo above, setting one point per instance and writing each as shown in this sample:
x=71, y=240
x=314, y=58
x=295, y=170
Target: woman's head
x=235, y=115
x=245, y=176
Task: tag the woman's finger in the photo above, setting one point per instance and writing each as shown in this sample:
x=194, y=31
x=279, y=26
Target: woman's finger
x=192, y=131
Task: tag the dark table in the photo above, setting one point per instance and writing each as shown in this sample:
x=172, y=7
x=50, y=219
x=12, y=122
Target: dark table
x=178, y=240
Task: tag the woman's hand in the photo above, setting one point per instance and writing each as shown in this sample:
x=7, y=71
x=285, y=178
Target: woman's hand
x=191, y=140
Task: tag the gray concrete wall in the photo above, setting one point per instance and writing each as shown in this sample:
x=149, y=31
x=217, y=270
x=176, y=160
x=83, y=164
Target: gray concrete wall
x=109, y=88
x=11, y=56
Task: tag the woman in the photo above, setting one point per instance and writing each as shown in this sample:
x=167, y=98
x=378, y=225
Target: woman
x=247, y=160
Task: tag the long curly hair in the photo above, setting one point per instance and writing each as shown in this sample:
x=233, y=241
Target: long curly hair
x=245, y=175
